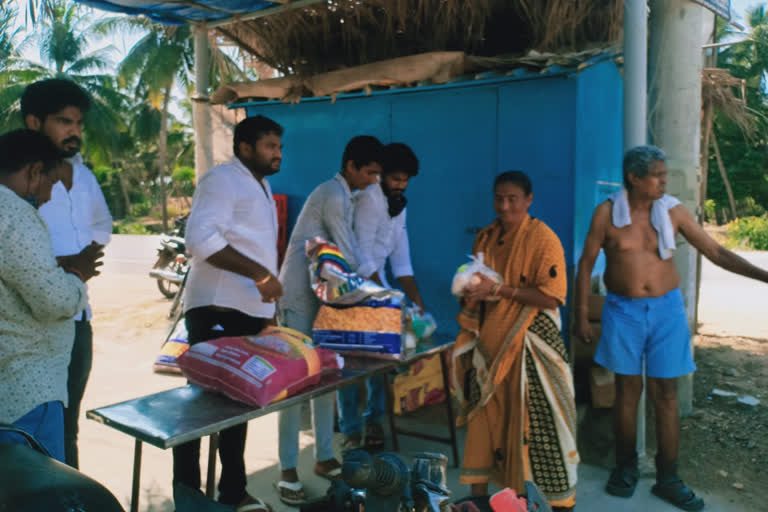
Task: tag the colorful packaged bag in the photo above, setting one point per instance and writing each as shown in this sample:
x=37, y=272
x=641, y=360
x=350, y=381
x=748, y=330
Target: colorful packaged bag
x=175, y=345
x=258, y=370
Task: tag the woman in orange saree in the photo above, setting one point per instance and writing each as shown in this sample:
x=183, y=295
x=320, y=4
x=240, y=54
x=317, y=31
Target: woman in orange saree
x=511, y=370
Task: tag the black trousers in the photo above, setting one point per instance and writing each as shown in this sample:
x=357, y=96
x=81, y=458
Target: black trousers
x=79, y=370
x=200, y=324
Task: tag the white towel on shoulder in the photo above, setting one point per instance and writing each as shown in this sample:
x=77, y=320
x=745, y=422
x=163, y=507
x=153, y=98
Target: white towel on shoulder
x=659, y=219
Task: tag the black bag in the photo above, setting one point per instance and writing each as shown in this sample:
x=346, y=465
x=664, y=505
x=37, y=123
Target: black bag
x=31, y=481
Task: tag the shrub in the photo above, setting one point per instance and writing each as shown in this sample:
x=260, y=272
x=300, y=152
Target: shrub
x=710, y=211
x=751, y=232
x=748, y=207
x=130, y=227
x=140, y=209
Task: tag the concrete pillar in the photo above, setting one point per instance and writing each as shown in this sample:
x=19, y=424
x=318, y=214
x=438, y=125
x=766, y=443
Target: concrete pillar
x=201, y=107
x=635, y=73
x=675, y=65
x=635, y=119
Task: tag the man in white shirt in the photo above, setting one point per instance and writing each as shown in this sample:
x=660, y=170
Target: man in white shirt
x=37, y=296
x=232, y=286
x=77, y=217
x=327, y=213
x=382, y=236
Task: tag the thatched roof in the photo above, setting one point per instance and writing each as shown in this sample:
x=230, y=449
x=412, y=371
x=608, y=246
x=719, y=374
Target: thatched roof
x=422, y=69
x=340, y=34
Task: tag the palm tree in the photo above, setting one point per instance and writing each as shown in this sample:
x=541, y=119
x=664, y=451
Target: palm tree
x=62, y=34
x=15, y=72
x=161, y=60
x=63, y=39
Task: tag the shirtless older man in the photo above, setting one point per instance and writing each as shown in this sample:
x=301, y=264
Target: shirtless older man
x=644, y=316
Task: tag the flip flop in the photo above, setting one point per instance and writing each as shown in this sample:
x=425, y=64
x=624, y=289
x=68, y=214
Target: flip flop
x=259, y=506
x=290, y=493
x=622, y=482
x=331, y=474
x=674, y=491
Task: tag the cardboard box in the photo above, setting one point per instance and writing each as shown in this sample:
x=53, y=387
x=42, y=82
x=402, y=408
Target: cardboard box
x=421, y=385
x=602, y=387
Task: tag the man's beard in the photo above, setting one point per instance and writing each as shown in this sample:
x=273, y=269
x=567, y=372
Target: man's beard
x=265, y=168
x=69, y=153
x=395, y=201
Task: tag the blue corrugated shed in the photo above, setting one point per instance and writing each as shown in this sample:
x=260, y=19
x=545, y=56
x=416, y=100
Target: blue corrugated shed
x=563, y=126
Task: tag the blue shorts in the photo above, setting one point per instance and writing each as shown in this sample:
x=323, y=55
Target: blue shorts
x=652, y=327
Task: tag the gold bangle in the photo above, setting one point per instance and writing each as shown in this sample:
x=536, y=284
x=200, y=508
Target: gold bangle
x=263, y=281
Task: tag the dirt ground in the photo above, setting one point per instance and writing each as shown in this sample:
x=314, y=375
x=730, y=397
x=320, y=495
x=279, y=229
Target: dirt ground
x=724, y=444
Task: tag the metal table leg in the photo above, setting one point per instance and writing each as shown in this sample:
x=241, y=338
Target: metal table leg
x=391, y=412
x=449, y=407
x=213, y=446
x=136, y=476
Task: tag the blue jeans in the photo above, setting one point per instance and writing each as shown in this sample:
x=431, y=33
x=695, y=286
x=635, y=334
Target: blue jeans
x=375, y=406
x=289, y=420
x=46, y=424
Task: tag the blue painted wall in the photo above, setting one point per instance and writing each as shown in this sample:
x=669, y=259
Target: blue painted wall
x=598, y=149
x=464, y=136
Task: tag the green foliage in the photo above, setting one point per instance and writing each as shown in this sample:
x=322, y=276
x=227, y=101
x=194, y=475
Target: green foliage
x=710, y=214
x=184, y=174
x=140, y=209
x=130, y=227
x=750, y=232
x=745, y=158
x=748, y=207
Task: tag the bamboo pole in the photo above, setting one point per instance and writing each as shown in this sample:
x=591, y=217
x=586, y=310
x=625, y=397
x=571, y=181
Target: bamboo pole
x=724, y=175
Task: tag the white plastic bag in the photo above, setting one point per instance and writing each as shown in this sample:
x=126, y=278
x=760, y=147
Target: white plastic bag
x=465, y=275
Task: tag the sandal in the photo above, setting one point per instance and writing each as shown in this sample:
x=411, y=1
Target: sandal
x=622, y=482
x=374, y=436
x=674, y=491
x=331, y=474
x=257, y=506
x=290, y=493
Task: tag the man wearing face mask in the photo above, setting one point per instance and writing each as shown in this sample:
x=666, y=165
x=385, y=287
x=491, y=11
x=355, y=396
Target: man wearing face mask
x=382, y=236
x=38, y=298
x=77, y=217
x=232, y=286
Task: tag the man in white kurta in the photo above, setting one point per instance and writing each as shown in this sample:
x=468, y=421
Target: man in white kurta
x=77, y=218
x=232, y=286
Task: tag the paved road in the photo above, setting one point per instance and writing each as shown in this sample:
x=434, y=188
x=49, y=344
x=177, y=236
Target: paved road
x=131, y=254
x=732, y=305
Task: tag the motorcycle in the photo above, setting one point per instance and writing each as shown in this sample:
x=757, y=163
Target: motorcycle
x=172, y=262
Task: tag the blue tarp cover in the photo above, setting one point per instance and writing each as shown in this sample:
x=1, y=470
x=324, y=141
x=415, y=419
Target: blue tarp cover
x=176, y=13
